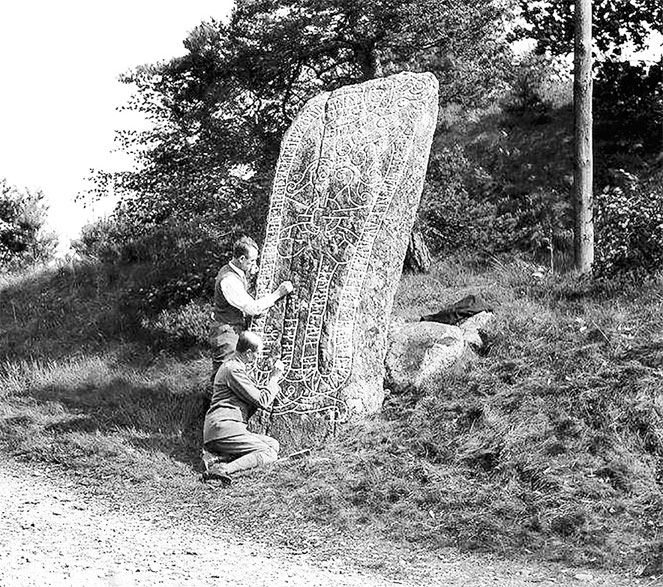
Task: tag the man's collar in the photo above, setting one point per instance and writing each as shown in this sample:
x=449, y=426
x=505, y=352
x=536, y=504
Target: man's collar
x=237, y=270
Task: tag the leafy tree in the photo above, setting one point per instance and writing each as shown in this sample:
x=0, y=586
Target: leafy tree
x=23, y=240
x=628, y=102
x=615, y=24
x=224, y=106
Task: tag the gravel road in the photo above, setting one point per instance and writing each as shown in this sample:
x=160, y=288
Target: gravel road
x=53, y=533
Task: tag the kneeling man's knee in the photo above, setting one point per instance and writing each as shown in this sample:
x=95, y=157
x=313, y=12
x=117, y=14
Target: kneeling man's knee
x=265, y=456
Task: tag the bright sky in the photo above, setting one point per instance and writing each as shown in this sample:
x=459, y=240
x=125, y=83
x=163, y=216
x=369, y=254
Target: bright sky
x=59, y=62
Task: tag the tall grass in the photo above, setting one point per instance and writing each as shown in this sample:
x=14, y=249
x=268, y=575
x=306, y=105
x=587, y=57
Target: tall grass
x=95, y=412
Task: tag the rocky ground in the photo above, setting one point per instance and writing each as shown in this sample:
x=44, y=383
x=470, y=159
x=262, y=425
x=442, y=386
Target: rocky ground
x=54, y=532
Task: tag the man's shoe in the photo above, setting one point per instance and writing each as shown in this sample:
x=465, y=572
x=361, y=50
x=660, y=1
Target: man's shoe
x=208, y=459
x=218, y=473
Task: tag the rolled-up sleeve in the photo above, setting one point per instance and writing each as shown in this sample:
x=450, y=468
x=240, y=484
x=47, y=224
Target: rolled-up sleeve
x=236, y=295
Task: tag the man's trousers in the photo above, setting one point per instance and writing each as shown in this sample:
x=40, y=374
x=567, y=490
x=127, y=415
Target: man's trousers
x=245, y=449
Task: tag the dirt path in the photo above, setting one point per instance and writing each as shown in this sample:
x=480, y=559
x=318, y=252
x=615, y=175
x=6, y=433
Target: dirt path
x=52, y=533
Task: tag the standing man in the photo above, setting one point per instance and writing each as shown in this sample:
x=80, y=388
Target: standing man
x=232, y=302
x=228, y=445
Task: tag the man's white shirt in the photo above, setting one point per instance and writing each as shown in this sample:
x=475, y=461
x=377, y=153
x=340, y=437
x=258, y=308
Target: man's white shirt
x=232, y=286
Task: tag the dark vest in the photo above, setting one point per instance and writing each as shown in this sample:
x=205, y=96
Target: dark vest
x=223, y=311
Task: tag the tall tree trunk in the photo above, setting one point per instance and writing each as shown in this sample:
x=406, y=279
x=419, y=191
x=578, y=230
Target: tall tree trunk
x=582, y=168
x=367, y=59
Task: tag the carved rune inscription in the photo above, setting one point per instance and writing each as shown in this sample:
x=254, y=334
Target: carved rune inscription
x=342, y=163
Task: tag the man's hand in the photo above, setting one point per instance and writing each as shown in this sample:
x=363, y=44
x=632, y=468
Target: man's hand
x=285, y=288
x=278, y=369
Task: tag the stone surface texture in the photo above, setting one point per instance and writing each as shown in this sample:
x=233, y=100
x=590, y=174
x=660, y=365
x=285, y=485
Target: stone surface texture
x=474, y=325
x=421, y=350
x=345, y=195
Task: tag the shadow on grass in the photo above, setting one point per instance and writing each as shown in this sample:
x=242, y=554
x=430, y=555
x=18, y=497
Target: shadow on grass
x=82, y=366
x=145, y=416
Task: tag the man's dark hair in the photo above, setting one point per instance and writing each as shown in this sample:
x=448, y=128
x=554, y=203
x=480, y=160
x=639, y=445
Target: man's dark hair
x=247, y=341
x=242, y=246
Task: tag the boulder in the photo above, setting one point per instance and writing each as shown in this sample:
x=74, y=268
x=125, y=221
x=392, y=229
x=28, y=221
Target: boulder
x=421, y=350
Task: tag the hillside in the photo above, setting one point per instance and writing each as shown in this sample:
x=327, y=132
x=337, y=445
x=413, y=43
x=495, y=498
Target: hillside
x=549, y=446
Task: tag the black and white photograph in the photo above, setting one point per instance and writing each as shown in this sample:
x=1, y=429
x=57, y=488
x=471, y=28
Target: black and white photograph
x=344, y=293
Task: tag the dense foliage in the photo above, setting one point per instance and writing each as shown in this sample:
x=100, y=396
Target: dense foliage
x=178, y=256
x=240, y=85
x=503, y=182
x=23, y=240
x=616, y=24
x=224, y=106
x=629, y=220
x=628, y=103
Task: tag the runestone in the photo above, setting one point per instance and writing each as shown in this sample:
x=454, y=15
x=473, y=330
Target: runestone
x=345, y=195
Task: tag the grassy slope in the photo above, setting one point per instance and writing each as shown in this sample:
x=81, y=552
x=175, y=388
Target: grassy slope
x=550, y=444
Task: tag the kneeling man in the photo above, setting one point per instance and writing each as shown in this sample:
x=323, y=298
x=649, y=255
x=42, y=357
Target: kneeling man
x=228, y=445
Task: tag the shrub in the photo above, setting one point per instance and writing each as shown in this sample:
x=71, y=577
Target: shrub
x=466, y=206
x=629, y=226
x=454, y=220
x=530, y=77
x=169, y=266
x=186, y=326
x=23, y=241
x=101, y=240
x=172, y=256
